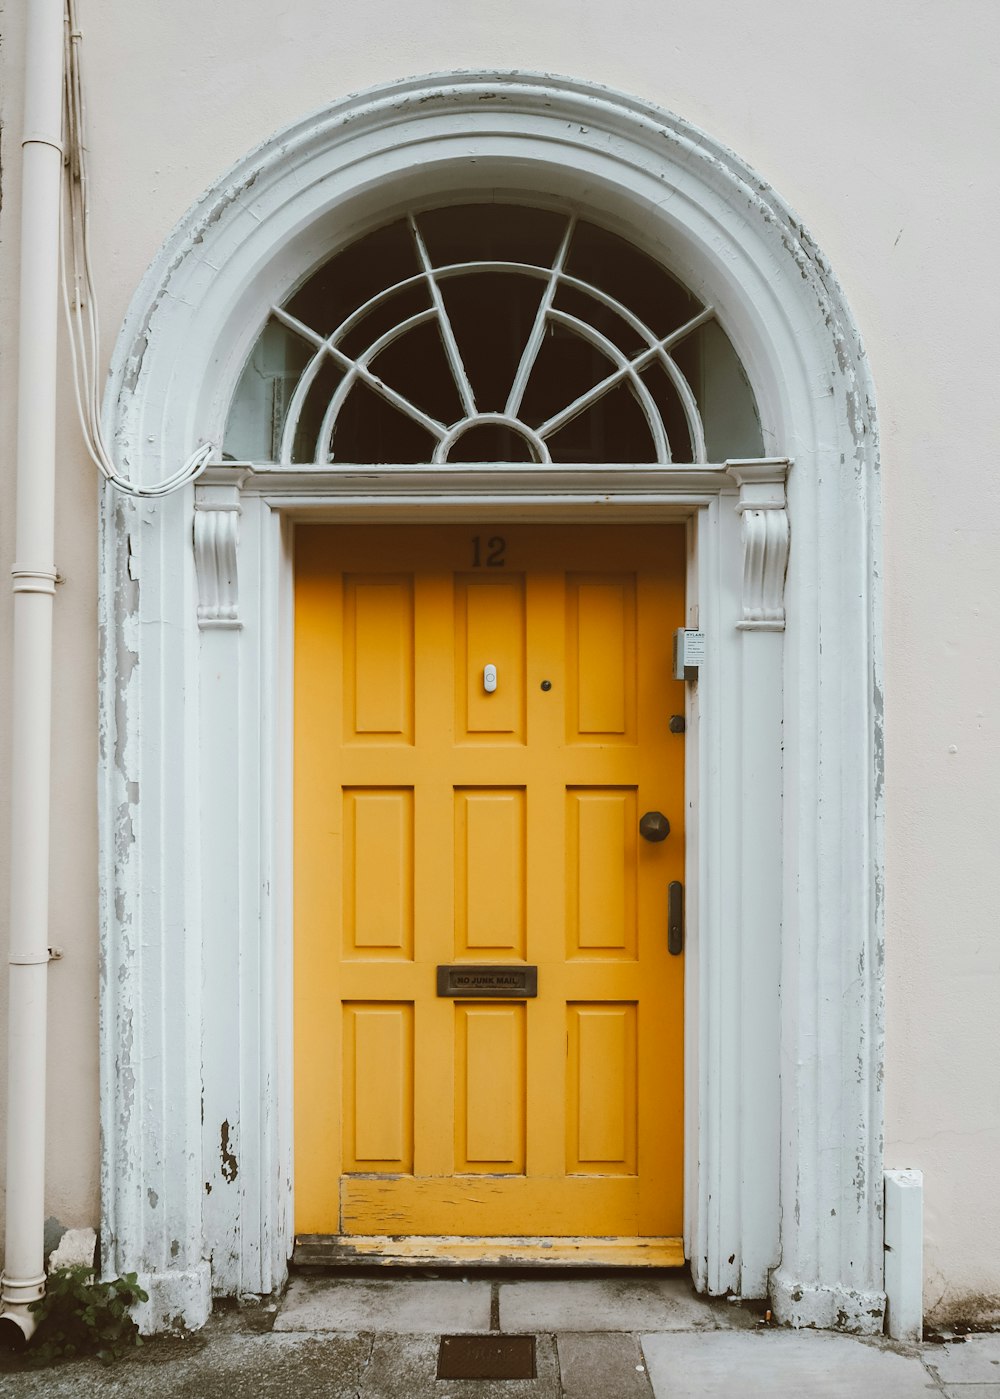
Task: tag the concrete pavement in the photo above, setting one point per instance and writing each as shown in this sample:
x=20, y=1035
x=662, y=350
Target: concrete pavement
x=610, y=1337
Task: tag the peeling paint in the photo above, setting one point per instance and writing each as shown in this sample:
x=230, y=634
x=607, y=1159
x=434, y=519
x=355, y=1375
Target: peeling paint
x=230, y=1167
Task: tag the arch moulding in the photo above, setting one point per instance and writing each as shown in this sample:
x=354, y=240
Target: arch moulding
x=783, y=1040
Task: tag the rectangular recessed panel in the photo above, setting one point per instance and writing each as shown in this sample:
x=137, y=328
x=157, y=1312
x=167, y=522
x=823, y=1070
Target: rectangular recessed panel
x=490, y=1088
x=378, y=664
x=486, y=1358
x=378, y=1087
x=489, y=870
x=490, y=627
x=602, y=655
x=378, y=872
x=601, y=829
x=601, y=1079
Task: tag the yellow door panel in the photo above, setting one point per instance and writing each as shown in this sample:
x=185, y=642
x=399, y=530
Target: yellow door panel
x=490, y=838
x=378, y=872
x=378, y=652
x=601, y=660
x=481, y=720
x=601, y=870
x=601, y=1089
x=490, y=631
x=490, y=1088
x=378, y=1087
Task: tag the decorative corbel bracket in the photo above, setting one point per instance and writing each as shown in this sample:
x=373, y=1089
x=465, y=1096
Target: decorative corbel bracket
x=216, y=542
x=763, y=507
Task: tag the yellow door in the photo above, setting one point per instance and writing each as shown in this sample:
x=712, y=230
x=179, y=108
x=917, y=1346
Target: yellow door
x=482, y=718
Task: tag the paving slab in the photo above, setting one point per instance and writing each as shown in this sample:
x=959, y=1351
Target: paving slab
x=976, y=1360
x=579, y=1304
x=267, y=1367
x=601, y=1366
x=971, y=1391
x=770, y=1364
x=405, y=1367
x=410, y=1306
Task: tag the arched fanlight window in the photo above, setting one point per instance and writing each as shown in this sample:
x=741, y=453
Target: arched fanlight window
x=492, y=333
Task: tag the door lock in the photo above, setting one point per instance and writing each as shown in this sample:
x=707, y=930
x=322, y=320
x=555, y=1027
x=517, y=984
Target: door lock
x=675, y=918
x=654, y=826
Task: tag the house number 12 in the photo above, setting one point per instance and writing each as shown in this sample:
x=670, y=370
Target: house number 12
x=489, y=552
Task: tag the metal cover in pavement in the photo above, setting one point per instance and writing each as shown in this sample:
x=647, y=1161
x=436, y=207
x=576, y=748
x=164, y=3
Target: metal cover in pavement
x=489, y=1357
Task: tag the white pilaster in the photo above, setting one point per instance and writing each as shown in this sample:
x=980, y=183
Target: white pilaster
x=151, y=1002
x=735, y=784
x=831, y=1271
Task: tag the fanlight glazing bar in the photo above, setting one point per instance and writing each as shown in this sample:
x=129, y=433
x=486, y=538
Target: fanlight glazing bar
x=355, y=369
x=537, y=334
x=539, y=450
x=626, y=371
x=360, y=370
x=451, y=349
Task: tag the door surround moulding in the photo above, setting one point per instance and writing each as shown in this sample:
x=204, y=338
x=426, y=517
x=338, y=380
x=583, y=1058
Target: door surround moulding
x=783, y=1074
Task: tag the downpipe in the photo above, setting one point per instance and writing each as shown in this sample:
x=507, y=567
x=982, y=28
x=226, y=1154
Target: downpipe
x=34, y=581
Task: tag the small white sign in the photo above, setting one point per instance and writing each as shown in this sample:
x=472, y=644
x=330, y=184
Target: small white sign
x=689, y=651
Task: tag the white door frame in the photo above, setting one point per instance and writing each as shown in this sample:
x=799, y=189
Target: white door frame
x=783, y=984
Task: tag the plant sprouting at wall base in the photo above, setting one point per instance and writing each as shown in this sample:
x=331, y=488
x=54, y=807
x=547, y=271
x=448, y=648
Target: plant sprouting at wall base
x=80, y=1316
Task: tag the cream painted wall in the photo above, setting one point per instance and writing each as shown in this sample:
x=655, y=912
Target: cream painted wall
x=875, y=123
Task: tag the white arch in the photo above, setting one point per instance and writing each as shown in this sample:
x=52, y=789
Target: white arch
x=181, y=859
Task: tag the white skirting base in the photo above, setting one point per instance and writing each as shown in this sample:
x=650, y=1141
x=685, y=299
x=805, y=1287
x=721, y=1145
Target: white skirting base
x=180, y=1301
x=826, y=1308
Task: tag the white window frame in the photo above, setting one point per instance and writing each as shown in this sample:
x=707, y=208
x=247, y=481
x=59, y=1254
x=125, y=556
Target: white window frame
x=783, y=981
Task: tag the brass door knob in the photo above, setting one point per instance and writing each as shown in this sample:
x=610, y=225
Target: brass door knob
x=654, y=826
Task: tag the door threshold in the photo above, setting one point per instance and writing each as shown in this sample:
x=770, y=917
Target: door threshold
x=336, y=1250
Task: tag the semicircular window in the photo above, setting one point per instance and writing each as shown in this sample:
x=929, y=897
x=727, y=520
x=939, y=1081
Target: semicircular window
x=492, y=333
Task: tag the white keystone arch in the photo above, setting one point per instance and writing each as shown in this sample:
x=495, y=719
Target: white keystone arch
x=784, y=1171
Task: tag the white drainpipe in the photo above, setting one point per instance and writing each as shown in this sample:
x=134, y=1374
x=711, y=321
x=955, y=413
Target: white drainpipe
x=34, y=590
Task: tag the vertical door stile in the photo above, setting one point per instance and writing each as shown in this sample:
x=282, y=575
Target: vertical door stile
x=319, y=879
x=434, y=877
x=546, y=1098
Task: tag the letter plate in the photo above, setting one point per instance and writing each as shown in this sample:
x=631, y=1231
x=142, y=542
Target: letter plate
x=515, y=981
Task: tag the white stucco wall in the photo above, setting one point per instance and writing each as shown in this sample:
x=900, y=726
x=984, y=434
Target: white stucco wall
x=875, y=124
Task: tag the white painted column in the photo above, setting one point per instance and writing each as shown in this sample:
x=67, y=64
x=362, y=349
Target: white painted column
x=735, y=777
x=831, y=1271
x=151, y=991
x=221, y=795
x=764, y=532
x=246, y=956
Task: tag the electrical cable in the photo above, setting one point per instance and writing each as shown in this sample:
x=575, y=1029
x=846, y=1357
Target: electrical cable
x=81, y=310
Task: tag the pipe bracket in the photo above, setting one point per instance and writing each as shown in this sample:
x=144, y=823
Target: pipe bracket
x=34, y=580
